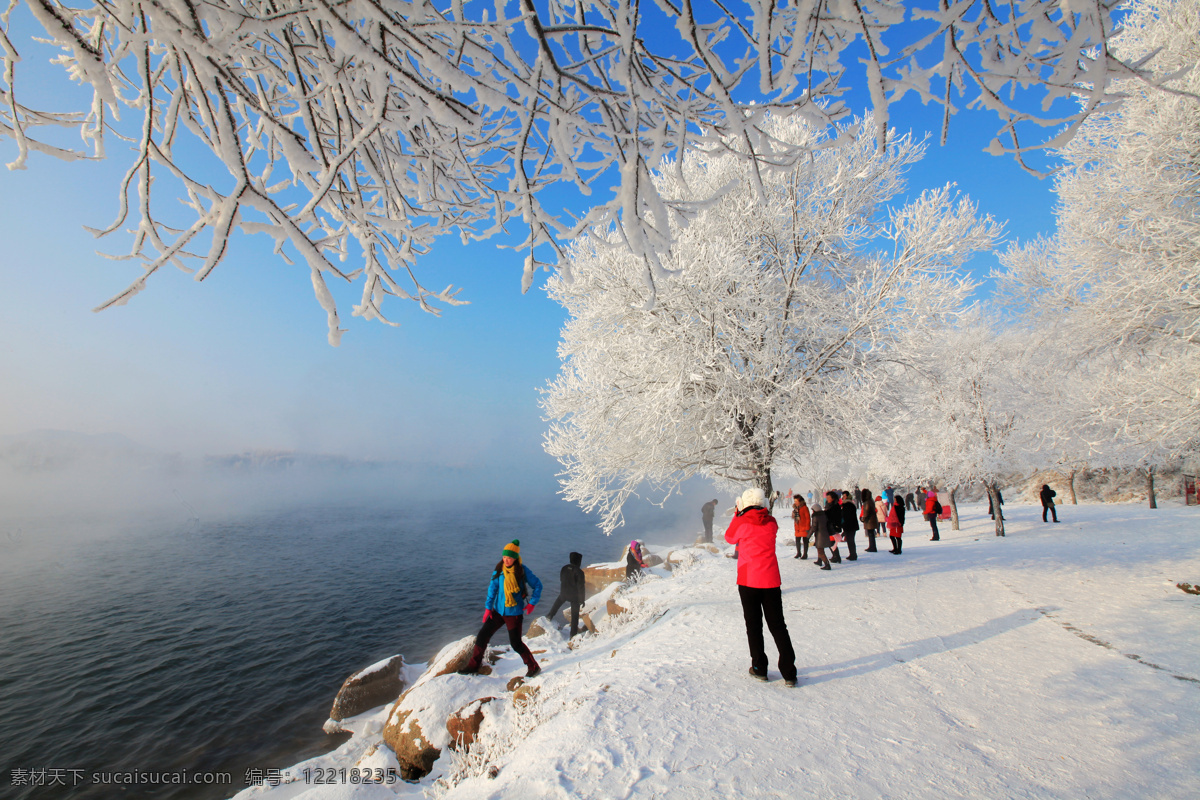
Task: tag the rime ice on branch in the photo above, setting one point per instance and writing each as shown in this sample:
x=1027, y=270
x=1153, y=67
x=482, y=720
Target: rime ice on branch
x=385, y=125
x=1116, y=290
x=798, y=292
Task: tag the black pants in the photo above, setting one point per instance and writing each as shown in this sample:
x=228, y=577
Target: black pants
x=562, y=598
x=757, y=604
x=849, y=536
x=708, y=530
x=1052, y=510
x=493, y=624
x=802, y=541
x=897, y=542
x=871, y=540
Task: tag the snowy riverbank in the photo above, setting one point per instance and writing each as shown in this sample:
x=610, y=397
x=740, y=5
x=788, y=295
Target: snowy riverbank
x=1060, y=661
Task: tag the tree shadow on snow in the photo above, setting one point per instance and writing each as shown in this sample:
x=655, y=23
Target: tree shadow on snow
x=919, y=649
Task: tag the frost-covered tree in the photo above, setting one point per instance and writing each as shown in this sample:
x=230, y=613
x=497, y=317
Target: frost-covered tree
x=969, y=407
x=363, y=130
x=1117, y=285
x=791, y=301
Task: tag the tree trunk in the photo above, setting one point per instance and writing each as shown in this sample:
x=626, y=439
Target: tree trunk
x=763, y=481
x=995, y=498
x=1150, y=486
x=954, y=509
x=1071, y=480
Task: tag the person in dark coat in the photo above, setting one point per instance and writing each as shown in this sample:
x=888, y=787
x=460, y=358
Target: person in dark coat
x=1000, y=498
x=571, y=583
x=833, y=516
x=849, y=525
x=870, y=518
x=820, y=532
x=910, y=502
x=753, y=531
x=707, y=512
x=1048, y=495
x=512, y=593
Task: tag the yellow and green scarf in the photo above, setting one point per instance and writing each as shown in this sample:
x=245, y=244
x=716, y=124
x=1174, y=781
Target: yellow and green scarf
x=512, y=587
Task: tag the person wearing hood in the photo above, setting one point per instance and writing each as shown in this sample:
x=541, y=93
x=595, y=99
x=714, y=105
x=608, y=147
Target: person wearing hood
x=634, y=562
x=571, y=590
x=1047, y=495
x=753, y=531
x=512, y=593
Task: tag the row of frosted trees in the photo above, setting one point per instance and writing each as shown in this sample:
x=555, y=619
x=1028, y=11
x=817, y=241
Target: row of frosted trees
x=818, y=329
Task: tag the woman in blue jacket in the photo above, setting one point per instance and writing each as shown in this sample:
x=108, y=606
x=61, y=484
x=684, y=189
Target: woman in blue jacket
x=509, y=599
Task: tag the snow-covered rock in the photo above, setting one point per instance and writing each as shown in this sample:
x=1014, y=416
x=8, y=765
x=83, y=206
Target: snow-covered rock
x=597, y=577
x=368, y=688
x=463, y=725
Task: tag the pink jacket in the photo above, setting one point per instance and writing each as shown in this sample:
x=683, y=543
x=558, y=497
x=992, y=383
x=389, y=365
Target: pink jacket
x=754, y=534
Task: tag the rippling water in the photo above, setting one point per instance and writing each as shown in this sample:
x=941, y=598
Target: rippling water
x=220, y=647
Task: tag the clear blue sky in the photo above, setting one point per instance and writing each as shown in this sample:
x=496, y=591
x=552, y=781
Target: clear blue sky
x=241, y=361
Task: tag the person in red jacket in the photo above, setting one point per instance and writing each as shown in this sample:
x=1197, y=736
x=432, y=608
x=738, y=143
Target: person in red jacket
x=802, y=522
x=932, y=509
x=753, y=531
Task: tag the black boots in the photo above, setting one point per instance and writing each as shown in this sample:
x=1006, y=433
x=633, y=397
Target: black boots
x=472, y=666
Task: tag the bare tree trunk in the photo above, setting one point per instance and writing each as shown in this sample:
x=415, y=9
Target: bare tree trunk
x=995, y=498
x=1071, y=483
x=763, y=481
x=1150, y=486
x=954, y=509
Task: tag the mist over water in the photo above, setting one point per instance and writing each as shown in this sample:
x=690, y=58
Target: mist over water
x=157, y=622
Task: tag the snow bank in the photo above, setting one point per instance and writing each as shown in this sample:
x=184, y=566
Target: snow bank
x=1060, y=661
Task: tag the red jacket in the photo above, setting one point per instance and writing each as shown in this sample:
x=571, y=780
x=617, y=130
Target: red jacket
x=802, y=520
x=930, y=499
x=754, y=532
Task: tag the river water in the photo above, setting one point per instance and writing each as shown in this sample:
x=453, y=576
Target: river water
x=218, y=647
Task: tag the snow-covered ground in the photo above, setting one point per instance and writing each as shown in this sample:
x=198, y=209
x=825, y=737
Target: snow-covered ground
x=1058, y=662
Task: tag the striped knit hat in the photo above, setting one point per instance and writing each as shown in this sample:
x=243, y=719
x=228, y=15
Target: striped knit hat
x=512, y=549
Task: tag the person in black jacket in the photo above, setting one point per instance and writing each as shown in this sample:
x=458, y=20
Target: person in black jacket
x=849, y=525
x=707, y=512
x=1048, y=495
x=571, y=590
x=833, y=516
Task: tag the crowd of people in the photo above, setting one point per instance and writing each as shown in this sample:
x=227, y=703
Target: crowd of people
x=838, y=521
x=514, y=590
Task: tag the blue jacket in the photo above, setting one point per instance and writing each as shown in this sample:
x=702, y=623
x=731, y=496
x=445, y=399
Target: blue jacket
x=495, y=594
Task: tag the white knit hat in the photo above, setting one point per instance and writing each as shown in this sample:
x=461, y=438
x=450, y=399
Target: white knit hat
x=752, y=497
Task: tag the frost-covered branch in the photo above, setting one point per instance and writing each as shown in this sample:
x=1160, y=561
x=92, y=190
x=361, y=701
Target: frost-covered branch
x=363, y=130
x=794, y=297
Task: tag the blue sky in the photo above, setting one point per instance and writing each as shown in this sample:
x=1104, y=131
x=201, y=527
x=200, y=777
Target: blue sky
x=241, y=361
